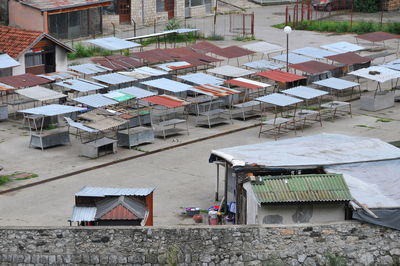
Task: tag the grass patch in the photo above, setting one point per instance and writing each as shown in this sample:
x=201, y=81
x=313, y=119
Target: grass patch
x=244, y=38
x=365, y=126
x=385, y=120
x=51, y=126
x=87, y=51
x=216, y=37
x=344, y=26
x=4, y=179
x=17, y=176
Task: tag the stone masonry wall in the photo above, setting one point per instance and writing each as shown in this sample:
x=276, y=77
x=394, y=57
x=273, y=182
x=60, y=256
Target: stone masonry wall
x=391, y=5
x=333, y=244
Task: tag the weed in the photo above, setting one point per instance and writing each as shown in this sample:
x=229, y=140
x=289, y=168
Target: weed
x=385, y=120
x=335, y=260
x=139, y=149
x=244, y=38
x=365, y=126
x=4, y=179
x=51, y=126
x=216, y=37
x=87, y=51
x=172, y=256
x=16, y=176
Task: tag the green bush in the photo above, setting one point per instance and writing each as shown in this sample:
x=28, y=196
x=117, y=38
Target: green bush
x=216, y=37
x=369, y=6
x=173, y=24
x=87, y=51
x=4, y=179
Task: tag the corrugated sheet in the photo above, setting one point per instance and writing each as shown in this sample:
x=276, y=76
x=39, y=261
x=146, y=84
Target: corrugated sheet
x=117, y=62
x=137, y=92
x=233, y=52
x=89, y=69
x=231, y=71
x=153, y=56
x=6, y=88
x=174, y=65
x=205, y=47
x=264, y=65
x=61, y=75
x=280, y=76
x=278, y=99
x=108, y=209
x=336, y=84
x=52, y=109
x=150, y=71
x=83, y=214
x=202, y=78
x=40, y=93
x=119, y=213
x=95, y=100
x=102, y=192
x=304, y=92
x=46, y=5
x=81, y=85
x=6, y=61
x=247, y=83
x=24, y=80
x=382, y=74
x=214, y=90
x=378, y=36
x=167, y=85
x=349, y=58
x=314, y=52
x=302, y=188
x=113, y=43
x=166, y=101
x=114, y=79
x=263, y=47
x=395, y=65
x=119, y=96
x=313, y=67
x=342, y=47
x=293, y=58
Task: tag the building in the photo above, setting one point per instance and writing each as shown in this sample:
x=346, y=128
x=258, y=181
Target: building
x=369, y=166
x=35, y=51
x=113, y=206
x=61, y=19
x=293, y=199
x=145, y=12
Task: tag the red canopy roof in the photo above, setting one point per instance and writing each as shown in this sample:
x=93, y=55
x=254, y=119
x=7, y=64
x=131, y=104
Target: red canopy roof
x=24, y=80
x=280, y=76
x=206, y=47
x=233, y=52
x=349, y=58
x=153, y=56
x=117, y=62
x=166, y=101
x=378, y=36
x=243, y=84
x=313, y=67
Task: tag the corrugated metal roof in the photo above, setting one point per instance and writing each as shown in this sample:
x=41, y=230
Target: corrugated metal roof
x=293, y=58
x=186, y=30
x=263, y=47
x=247, y=83
x=89, y=69
x=278, y=99
x=61, y=75
x=114, y=78
x=153, y=56
x=342, y=47
x=6, y=88
x=6, y=61
x=231, y=71
x=166, y=101
x=214, y=90
x=81, y=85
x=102, y=192
x=349, y=58
x=202, y=78
x=52, y=109
x=233, y=52
x=395, y=65
x=150, y=71
x=83, y=214
x=304, y=92
x=377, y=73
x=45, y=5
x=264, y=65
x=280, y=76
x=137, y=92
x=174, y=65
x=314, y=52
x=378, y=36
x=24, y=80
x=313, y=67
x=167, y=85
x=40, y=93
x=302, y=188
x=205, y=46
x=119, y=96
x=117, y=62
x=108, y=209
x=113, y=43
x=336, y=84
x=95, y=100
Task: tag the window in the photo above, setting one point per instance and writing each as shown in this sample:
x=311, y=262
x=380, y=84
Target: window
x=190, y=3
x=33, y=60
x=6, y=72
x=160, y=5
x=111, y=9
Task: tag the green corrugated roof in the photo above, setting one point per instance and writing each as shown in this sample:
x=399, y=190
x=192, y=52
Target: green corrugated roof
x=301, y=188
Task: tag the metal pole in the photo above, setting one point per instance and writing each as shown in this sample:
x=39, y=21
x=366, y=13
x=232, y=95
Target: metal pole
x=287, y=52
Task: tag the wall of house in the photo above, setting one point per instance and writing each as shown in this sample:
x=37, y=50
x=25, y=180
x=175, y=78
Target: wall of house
x=61, y=59
x=330, y=244
x=21, y=68
x=22, y=16
x=198, y=11
x=391, y=5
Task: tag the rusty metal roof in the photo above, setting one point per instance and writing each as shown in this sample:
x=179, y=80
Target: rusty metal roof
x=103, y=192
x=24, y=80
x=233, y=52
x=206, y=47
x=349, y=58
x=313, y=67
x=48, y=5
x=378, y=36
x=166, y=101
x=117, y=62
x=280, y=76
x=301, y=188
x=110, y=209
x=153, y=56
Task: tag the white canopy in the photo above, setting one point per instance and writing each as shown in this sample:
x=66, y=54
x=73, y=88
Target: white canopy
x=6, y=61
x=39, y=93
x=231, y=71
x=113, y=43
x=377, y=73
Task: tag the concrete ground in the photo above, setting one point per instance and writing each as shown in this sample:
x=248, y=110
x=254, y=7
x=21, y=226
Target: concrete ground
x=182, y=176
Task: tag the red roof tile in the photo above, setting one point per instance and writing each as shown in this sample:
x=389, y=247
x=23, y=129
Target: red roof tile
x=14, y=41
x=280, y=76
x=119, y=213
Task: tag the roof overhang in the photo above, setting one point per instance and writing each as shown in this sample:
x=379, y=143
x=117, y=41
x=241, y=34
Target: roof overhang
x=71, y=7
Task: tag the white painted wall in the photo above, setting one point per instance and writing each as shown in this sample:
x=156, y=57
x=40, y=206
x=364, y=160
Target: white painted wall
x=20, y=69
x=61, y=59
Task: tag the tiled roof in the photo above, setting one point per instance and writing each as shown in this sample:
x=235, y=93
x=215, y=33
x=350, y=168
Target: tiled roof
x=301, y=188
x=46, y=5
x=14, y=41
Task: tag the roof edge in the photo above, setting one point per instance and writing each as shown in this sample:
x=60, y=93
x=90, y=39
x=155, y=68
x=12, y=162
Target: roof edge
x=65, y=7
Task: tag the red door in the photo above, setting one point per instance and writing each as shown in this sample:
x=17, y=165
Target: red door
x=124, y=11
x=169, y=7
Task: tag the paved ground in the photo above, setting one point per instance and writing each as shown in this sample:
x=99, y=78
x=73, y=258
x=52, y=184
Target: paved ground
x=182, y=176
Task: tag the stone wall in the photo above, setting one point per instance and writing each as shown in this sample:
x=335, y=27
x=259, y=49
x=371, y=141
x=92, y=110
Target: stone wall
x=391, y=5
x=332, y=244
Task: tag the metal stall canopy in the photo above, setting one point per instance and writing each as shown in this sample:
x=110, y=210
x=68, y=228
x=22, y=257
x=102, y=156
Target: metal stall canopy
x=264, y=65
x=168, y=85
x=395, y=65
x=52, y=110
x=263, y=47
x=231, y=71
x=81, y=85
x=378, y=36
x=60, y=75
x=280, y=76
x=90, y=69
x=7, y=61
x=377, y=73
x=117, y=62
x=314, y=52
x=166, y=101
x=39, y=93
x=247, y=83
x=336, y=83
x=114, y=79
x=278, y=99
x=24, y=80
x=119, y=96
x=113, y=43
x=138, y=93
x=171, y=66
x=304, y=92
x=201, y=78
x=153, y=56
x=95, y=100
x=293, y=58
x=313, y=67
x=343, y=47
x=213, y=90
x=349, y=58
